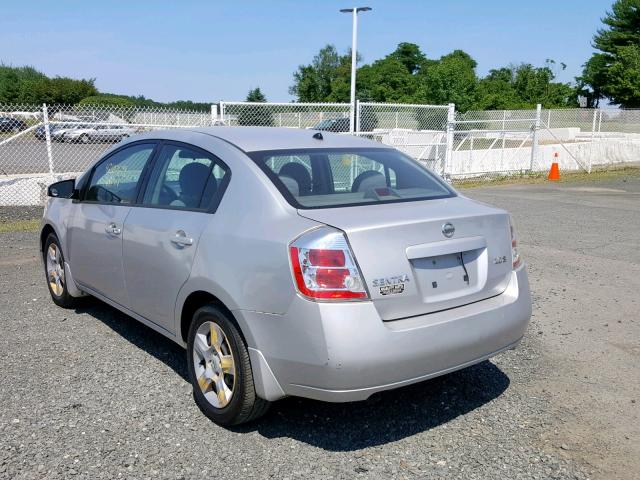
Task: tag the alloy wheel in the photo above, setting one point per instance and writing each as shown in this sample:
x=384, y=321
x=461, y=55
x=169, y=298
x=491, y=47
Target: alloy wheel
x=55, y=270
x=214, y=364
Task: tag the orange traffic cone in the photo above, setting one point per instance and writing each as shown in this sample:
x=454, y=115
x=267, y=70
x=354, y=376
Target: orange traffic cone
x=554, y=173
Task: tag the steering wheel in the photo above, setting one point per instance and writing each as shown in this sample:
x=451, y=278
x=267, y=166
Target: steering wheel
x=167, y=195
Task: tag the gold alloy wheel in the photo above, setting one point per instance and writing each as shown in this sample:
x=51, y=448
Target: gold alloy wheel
x=55, y=270
x=214, y=365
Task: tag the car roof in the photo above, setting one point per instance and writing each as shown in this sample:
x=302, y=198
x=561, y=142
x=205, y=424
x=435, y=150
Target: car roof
x=251, y=139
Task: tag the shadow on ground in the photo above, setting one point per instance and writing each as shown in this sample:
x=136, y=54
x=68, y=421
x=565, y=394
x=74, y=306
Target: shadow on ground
x=385, y=417
x=143, y=337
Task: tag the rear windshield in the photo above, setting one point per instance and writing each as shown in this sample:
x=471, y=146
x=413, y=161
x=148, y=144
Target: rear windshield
x=319, y=178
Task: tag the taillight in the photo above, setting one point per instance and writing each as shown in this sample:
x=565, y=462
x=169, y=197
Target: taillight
x=515, y=255
x=324, y=267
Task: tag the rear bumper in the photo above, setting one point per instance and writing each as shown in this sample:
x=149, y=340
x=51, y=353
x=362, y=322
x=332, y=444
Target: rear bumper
x=345, y=352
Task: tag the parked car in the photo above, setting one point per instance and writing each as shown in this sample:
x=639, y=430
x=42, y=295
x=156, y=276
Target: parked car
x=110, y=133
x=97, y=133
x=12, y=125
x=71, y=132
x=244, y=246
x=333, y=125
x=40, y=133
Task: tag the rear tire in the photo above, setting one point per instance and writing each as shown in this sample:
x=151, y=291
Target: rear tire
x=220, y=369
x=55, y=273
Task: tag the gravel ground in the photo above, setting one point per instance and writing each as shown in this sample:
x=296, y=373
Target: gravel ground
x=93, y=394
x=12, y=214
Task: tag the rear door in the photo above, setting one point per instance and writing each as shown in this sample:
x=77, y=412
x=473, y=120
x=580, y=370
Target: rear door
x=162, y=235
x=95, y=233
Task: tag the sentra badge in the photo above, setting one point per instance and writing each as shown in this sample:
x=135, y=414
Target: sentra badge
x=391, y=285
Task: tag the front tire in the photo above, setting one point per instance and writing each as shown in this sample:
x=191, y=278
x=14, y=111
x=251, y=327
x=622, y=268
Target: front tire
x=55, y=273
x=220, y=369
x=84, y=138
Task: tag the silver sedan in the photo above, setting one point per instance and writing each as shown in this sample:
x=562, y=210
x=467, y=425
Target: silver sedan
x=97, y=133
x=288, y=262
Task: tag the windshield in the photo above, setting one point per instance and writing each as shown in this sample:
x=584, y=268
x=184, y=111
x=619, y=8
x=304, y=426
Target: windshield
x=323, y=178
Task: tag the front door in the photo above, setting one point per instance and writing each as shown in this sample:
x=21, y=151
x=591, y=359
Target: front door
x=95, y=233
x=161, y=237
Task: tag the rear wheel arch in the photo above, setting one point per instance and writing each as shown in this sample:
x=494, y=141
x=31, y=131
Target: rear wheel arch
x=196, y=300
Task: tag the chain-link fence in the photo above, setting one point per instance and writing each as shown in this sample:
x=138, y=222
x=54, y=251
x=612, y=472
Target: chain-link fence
x=417, y=130
x=580, y=138
x=40, y=144
x=333, y=117
x=490, y=143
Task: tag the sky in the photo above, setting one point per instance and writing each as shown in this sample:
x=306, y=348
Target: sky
x=220, y=49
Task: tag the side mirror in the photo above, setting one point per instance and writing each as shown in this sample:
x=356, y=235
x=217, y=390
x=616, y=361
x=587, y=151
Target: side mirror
x=63, y=189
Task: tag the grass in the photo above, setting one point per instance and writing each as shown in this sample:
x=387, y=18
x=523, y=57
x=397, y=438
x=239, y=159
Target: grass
x=541, y=177
x=31, y=225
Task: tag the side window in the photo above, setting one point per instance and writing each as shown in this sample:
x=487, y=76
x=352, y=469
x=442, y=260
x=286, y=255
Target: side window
x=116, y=179
x=184, y=178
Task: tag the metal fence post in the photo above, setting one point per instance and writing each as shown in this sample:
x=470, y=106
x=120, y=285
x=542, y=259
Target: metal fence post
x=600, y=121
x=448, y=153
x=358, y=107
x=549, y=119
x=534, y=138
x=214, y=114
x=47, y=134
x=593, y=134
x=222, y=112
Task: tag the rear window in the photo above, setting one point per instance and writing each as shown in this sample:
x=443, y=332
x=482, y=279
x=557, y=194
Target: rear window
x=318, y=178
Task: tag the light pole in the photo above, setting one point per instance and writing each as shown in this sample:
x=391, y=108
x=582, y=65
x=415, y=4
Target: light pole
x=354, y=60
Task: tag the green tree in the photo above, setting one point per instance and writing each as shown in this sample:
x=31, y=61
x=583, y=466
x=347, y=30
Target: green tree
x=613, y=71
x=189, y=105
x=406, y=75
x=522, y=87
x=410, y=55
x=108, y=100
x=451, y=79
x=256, y=95
x=257, y=115
x=9, y=87
x=593, y=79
x=386, y=80
x=496, y=92
x=624, y=77
x=61, y=90
x=325, y=76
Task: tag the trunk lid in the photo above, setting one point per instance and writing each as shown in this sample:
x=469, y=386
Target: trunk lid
x=410, y=267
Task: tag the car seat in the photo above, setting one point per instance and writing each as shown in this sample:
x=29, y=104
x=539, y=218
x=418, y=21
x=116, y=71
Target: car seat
x=192, y=180
x=368, y=180
x=300, y=174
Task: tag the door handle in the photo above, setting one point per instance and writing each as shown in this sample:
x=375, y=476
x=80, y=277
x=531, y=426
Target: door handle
x=181, y=240
x=112, y=229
